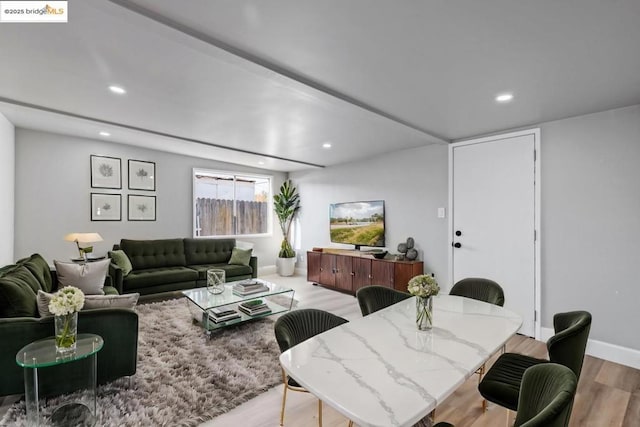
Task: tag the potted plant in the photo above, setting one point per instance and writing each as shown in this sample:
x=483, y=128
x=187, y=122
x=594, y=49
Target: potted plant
x=286, y=204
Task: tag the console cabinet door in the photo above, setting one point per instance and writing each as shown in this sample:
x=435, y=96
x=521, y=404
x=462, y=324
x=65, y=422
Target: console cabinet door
x=344, y=273
x=327, y=269
x=361, y=273
x=382, y=273
x=404, y=271
x=313, y=266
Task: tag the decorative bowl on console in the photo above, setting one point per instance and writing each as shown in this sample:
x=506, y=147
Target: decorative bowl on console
x=378, y=254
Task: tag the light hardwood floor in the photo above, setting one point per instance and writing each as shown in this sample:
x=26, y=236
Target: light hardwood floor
x=608, y=393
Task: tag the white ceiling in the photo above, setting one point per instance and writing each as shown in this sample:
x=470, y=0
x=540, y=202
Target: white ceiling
x=270, y=81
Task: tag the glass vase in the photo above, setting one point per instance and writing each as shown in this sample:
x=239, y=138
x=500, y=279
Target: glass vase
x=66, y=328
x=424, y=313
x=215, y=281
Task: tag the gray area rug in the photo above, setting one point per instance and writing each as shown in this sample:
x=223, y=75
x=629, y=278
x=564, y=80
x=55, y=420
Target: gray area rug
x=183, y=378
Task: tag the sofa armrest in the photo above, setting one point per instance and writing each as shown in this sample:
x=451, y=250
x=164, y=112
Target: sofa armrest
x=116, y=276
x=253, y=263
x=118, y=357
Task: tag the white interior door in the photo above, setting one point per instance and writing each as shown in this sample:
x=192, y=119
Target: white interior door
x=493, y=217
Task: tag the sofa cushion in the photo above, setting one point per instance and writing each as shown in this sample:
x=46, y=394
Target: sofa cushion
x=231, y=270
x=120, y=258
x=158, y=276
x=40, y=270
x=240, y=256
x=149, y=254
x=88, y=277
x=18, y=290
x=208, y=251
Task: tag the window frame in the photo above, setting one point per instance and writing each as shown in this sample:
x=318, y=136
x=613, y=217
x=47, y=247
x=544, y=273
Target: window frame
x=235, y=175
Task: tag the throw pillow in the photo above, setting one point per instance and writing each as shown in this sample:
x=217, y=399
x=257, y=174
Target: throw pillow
x=121, y=259
x=88, y=277
x=111, y=301
x=240, y=256
x=91, y=302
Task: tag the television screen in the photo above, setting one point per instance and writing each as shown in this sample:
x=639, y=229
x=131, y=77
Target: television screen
x=357, y=223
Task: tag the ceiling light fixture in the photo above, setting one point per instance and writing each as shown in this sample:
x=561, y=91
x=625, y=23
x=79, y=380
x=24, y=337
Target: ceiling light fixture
x=261, y=162
x=504, y=97
x=103, y=133
x=117, y=89
x=326, y=145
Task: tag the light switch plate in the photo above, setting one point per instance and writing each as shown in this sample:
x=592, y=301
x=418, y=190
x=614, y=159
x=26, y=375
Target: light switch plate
x=441, y=213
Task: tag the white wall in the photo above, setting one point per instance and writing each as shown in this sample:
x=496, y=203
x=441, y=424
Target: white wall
x=591, y=222
x=413, y=184
x=7, y=190
x=53, y=189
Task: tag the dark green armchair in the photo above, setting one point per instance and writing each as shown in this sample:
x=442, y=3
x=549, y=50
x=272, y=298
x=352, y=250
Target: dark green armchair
x=295, y=327
x=501, y=384
x=374, y=298
x=118, y=358
x=546, y=397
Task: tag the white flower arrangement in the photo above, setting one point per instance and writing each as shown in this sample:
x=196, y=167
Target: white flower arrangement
x=66, y=301
x=423, y=285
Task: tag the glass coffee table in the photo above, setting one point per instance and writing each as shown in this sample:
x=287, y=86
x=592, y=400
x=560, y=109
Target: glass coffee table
x=205, y=306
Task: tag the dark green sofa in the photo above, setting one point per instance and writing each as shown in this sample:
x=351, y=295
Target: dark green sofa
x=20, y=325
x=173, y=264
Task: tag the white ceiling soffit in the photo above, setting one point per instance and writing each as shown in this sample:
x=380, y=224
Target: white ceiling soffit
x=180, y=86
x=46, y=121
x=438, y=64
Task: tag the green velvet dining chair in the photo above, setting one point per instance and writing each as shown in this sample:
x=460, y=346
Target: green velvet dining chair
x=374, y=298
x=479, y=289
x=501, y=384
x=297, y=326
x=546, y=397
x=482, y=290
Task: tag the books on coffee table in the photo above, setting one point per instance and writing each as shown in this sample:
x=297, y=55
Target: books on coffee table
x=221, y=314
x=254, y=307
x=249, y=287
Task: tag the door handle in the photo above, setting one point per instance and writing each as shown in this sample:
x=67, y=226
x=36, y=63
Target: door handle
x=458, y=233
x=457, y=245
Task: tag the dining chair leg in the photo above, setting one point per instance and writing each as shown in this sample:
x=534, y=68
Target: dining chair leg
x=319, y=413
x=480, y=373
x=350, y=423
x=284, y=399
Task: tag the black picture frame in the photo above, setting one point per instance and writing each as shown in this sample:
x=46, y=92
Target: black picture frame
x=141, y=207
x=142, y=175
x=106, y=207
x=106, y=172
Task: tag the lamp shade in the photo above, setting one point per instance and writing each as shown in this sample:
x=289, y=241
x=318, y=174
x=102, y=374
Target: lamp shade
x=83, y=237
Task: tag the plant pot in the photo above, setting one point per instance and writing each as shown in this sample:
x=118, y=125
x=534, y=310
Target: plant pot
x=286, y=266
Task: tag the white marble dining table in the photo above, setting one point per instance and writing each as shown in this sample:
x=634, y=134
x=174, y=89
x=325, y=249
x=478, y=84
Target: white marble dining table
x=380, y=370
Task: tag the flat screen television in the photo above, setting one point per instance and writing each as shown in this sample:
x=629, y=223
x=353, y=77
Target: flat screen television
x=357, y=223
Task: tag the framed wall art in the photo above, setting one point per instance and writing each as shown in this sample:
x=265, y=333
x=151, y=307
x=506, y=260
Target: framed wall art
x=106, y=207
x=106, y=172
x=141, y=208
x=142, y=175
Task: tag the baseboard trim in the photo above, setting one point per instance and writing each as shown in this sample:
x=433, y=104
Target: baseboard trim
x=611, y=352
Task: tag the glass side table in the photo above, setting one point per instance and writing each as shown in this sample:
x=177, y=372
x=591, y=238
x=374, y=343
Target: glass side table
x=42, y=354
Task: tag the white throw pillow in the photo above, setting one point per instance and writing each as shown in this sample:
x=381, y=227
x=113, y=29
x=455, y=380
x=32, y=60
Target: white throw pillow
x=88, y=277
x=91, y=302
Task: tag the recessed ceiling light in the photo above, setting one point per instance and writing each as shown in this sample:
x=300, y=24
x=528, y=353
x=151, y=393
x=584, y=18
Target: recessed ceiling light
x=504, y=97
x=326, y=145
x=117, y=89
x=103, y=133
x=261, y=162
